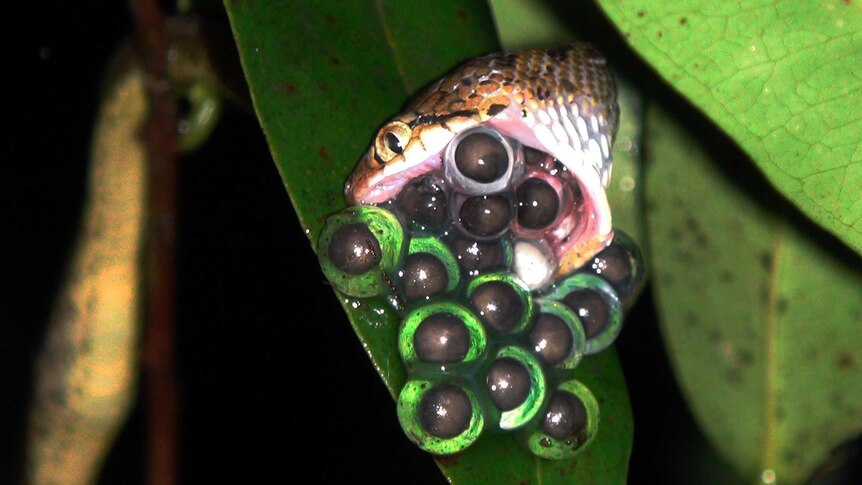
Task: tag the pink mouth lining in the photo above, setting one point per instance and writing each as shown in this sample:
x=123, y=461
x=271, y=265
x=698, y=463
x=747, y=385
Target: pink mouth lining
x=375, y=191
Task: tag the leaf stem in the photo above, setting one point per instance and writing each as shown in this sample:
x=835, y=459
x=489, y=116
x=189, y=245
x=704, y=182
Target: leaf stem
x=162, y=400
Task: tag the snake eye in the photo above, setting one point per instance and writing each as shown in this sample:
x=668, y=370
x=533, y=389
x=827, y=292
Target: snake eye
x=480, y=161
x=391, y=141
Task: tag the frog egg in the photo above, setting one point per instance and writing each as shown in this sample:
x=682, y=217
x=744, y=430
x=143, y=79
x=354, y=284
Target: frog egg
x=423, y=276
x=536, y=158
x=568, y=422
x=620, y=264
x=478, y=257
x=480, y=161
x=556, y=336
x=502, y=302
x=423, y=203
x=515, y=384
x=441, y=336
x=430, y=269
x=358, y=247
x=353, y=249
x=439, y=417
x=547, y=206
x=534, y=263
x=538, y=203
x=596, y=305
x=508, y=383
x=445, y=411
x=485, y=216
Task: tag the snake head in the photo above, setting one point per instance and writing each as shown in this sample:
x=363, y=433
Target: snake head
x=397, y=155
x=560, y=102
x=404, y=149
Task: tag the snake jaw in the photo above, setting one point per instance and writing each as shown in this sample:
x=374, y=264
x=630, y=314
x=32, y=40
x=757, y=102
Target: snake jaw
x=377, y=185
x=577, y=237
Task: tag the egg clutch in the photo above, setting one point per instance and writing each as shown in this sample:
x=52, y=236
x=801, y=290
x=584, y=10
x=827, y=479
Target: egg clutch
x=480, y=215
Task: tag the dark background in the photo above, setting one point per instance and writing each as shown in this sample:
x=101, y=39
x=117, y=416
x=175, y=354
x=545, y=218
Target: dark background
x=274, y=384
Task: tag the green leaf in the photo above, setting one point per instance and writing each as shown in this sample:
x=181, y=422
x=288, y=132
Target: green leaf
x=782, y=77
x=323, y=77
x=760, y=309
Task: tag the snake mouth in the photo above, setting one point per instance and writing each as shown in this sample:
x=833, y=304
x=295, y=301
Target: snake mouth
x=577, y=230
x=583, y=226
x=580, y=228
x=377, y=186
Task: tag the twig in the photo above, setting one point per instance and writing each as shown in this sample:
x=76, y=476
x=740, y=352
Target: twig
x=158, y=356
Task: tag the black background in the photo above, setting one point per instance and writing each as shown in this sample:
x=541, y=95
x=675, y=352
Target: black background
x=275, y=386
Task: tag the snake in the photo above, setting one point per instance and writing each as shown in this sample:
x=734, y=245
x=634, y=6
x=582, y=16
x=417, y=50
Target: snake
x=561, y=101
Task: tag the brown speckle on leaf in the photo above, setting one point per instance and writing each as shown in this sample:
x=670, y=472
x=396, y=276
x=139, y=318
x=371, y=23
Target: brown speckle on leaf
x=334, y=60
x=462, y=14
x=329, y=19
x=691, y=320
x=659, y=34
x=733, y=375
x=323, y=152
x=713, y=336
x=641, y=14
x=846, y=361
x=766, y=260
x=667, y=279
x=286, y=89
x=781, y=306
x=683, y=21
x=696, y=232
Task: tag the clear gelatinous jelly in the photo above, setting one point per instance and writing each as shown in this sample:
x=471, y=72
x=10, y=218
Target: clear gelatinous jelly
x=480, y=214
